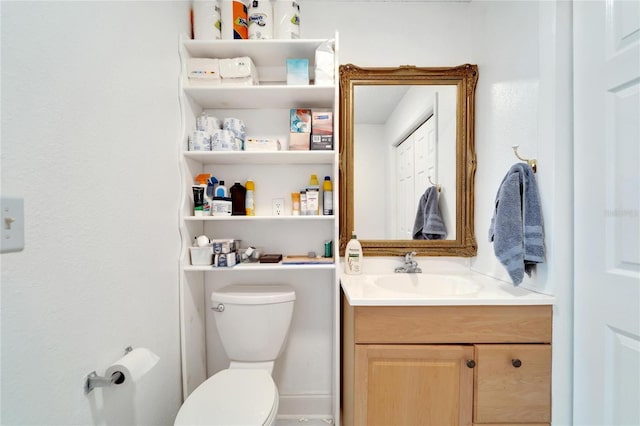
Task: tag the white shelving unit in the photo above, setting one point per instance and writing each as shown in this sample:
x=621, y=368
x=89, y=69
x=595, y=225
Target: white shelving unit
x=265, y=111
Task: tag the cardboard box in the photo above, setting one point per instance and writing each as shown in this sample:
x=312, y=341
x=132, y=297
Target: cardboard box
x=298, y=72
x=299, y=141
x=321, y=143
x=300, y=120
x=321, y=122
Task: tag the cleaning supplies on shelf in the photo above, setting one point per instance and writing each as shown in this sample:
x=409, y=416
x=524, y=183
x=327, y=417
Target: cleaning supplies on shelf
x=221, y=190
x=201, y=181
x=313, y=196
x=327, y=196
x=238, y=199
x=295, y=204
x=249, y=203
x=353, y=256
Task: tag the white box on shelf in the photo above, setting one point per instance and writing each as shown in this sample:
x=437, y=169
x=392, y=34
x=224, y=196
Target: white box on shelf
x=201, y=255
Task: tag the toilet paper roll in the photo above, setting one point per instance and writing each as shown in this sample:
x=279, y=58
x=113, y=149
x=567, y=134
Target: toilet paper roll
x=234, y=18
x=223, y=140
x=199, y=141
x=235, y=126
x=133, y=365
x=260, y=20
x=286, y=19
x=206, y=20
x=208, y=123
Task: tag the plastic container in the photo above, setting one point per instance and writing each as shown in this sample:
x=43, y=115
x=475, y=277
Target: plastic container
x=201, y=255
x=313, y=196
x=327, y=196
x=353, y=256
x=249, y=203
x=221, y=190
x=238, y=198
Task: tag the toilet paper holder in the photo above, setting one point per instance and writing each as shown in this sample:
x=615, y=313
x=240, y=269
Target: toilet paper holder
x=94, y=381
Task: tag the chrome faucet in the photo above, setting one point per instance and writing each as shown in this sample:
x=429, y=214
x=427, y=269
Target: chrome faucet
x=410, y=266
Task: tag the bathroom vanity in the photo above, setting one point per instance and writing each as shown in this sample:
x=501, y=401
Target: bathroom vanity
x=469, y=351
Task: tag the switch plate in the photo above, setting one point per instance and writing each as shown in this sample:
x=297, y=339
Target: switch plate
x=278, y=206
x=12, y=209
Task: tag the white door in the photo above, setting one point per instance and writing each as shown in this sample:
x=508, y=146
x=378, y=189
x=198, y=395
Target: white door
x=606, y=211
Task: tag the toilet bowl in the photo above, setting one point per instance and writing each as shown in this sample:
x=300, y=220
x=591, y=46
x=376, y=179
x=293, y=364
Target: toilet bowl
x=232, y=397
x=253, y=323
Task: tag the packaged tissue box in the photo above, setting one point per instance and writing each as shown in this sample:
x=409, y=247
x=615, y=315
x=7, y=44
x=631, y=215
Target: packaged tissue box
x=238, y=72
x=300, y=120
x=321, y=130
x=203, y=71
x=298, y=71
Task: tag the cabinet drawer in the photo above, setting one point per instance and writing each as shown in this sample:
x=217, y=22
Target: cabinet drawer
x=452, y=324
x=505, y=393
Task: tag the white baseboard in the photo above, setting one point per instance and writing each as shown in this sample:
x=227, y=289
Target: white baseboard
x=316, y=406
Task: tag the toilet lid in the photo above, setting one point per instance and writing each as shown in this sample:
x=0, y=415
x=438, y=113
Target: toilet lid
x=230, y=397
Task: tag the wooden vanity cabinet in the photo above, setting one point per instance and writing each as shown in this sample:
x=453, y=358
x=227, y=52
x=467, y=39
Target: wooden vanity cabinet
x=446, y=365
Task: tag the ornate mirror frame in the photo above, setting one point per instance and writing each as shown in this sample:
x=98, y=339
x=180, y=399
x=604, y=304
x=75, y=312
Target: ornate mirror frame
x=465, y=78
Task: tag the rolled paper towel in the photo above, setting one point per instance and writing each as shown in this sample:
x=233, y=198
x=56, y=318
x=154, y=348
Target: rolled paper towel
x=286, y=19
x=234, y=20
x=206, y=20
x=260, y=20
x=133, y=365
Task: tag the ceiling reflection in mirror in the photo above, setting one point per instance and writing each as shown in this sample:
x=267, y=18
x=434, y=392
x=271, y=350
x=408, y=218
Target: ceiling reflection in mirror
x=407, y=159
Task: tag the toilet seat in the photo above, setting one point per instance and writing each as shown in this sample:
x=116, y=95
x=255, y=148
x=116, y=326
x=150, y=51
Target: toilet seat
x=231, y=397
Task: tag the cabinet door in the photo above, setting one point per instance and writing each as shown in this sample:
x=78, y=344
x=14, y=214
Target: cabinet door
x=513, y=384
x=413, y=385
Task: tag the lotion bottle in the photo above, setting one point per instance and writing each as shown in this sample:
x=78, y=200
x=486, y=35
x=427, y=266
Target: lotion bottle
x=353, y=256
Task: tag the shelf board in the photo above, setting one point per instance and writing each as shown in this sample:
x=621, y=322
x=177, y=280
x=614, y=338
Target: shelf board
x=262, y=157
x=259, y=267
x=260, y=218
x=262, y=96
x=262, y=52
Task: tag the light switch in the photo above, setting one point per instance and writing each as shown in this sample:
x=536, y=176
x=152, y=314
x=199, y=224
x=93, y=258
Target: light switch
x=12, y=224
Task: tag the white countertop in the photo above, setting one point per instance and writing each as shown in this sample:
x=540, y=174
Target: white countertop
x=477, y=289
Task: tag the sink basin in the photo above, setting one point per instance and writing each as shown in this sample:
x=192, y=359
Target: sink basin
x=427, y=285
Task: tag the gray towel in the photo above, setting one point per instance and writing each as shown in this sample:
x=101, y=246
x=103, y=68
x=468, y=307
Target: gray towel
x=429, y=224
x=516, y=227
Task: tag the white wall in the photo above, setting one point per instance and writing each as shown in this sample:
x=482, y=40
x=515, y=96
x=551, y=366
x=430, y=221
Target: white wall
x=90, y=119
x=100, y=269
x=523, y=52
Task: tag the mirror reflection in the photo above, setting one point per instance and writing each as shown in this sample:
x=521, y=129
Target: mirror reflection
x=407, y=159
x=405, y=162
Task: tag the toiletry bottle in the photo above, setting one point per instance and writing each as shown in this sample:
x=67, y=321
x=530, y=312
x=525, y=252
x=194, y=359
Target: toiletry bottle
x=221, y=190
x=238, y=197
x=201, y=180
x=313, y=196
x=295, y=204
x=353, y=256
x=303, y=203
x=327, y=197
x=249, y=203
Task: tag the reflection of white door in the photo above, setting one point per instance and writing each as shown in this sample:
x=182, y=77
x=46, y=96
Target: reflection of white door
x=404, y=194
x=426, y=156
x=606, y=212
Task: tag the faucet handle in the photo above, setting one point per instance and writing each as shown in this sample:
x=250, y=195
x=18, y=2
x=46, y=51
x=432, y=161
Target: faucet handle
x=408, y=257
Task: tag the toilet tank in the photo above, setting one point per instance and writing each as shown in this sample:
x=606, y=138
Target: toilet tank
x=253, y=320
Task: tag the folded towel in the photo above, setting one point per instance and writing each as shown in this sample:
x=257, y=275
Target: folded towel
x=516, y=227
x=429, y=224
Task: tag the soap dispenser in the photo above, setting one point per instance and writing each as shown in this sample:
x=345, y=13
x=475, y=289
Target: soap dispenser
x=353, y=256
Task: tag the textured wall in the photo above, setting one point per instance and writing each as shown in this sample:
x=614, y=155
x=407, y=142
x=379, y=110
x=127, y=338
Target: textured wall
x=90, y=119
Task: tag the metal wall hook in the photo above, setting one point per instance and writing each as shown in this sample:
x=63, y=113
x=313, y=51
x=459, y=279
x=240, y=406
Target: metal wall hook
x=531, y=162
x=437, y=185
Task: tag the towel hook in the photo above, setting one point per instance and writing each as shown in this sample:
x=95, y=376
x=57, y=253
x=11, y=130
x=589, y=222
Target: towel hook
x=531, y=162
x=437, y=185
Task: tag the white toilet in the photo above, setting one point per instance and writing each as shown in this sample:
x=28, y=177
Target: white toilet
x=253, y=323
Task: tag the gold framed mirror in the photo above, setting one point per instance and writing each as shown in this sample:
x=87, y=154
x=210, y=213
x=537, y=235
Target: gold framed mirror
x=383, y=167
